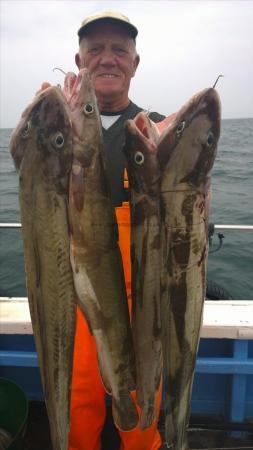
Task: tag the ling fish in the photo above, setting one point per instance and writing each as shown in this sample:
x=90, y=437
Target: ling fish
x=95, y=255
x=41, y=147
x=144, y=176
x=186, y=152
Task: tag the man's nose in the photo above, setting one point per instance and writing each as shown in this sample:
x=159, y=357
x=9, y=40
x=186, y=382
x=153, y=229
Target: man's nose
x=107, y=58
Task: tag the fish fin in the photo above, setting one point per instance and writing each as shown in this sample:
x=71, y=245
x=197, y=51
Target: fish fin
x=84, y=313
x=147, y=417
x=101, y=363
x=77, y=185
x=124, y=412
x=103, y=373
x=37, y=261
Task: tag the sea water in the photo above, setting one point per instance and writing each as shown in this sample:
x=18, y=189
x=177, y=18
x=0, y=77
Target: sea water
x=230, y=267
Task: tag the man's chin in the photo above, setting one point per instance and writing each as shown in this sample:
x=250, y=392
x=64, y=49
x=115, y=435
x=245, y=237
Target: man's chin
x=108, y=93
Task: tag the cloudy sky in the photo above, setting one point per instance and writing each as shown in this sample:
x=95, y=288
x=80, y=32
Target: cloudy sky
x=184, y=46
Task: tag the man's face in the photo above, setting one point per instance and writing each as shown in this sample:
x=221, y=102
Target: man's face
x=110, y=55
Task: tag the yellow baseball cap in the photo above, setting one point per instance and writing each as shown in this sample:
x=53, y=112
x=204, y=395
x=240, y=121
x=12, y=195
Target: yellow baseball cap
x=113, y=16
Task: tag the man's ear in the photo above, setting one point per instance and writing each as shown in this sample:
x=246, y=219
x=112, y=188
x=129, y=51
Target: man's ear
x=136, y=63
x=78, y=60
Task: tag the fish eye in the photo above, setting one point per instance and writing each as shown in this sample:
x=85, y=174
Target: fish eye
x=210, y=139
x=180, y=127
x=88, y=109
x=139, y=158
x=58, y=140
x=26, y=129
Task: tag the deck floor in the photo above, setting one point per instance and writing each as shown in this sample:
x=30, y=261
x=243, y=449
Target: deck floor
x=37, y=435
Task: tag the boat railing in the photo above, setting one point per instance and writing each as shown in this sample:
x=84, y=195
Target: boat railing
x=217, y=227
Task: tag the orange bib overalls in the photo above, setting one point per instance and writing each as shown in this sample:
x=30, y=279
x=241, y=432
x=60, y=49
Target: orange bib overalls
x=88, y=409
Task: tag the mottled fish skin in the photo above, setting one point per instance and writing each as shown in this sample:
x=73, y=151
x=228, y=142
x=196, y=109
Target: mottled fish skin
x=186, y=151
x=95, y=256
x=144, y=181
x=41, y=147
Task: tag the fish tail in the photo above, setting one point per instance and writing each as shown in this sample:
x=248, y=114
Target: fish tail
x=179, y=445
x=124, y=412
x=176, y=434
x=148, y=415
x=104, y=373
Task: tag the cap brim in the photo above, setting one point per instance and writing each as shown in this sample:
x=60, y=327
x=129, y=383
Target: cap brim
x=128, y=27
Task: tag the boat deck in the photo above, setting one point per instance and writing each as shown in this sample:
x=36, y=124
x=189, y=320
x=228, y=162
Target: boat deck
x=225, y=363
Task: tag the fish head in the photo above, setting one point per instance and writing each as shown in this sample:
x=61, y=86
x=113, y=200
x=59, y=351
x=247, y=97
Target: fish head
x=187, y=148
x=141, y=154
x=44, y=133
x=86, y=121
x=22, y=134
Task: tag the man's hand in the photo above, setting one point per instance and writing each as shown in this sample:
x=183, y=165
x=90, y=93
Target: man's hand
x=44, y=86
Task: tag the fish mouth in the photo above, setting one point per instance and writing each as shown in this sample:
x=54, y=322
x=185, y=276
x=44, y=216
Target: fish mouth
x=145, y=129
x=150, y=131
x=141, y=140
x=143, y=124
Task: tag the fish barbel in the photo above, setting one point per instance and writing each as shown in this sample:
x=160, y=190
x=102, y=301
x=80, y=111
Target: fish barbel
x=144, y=176
x=41, y=147
x=95, y=255
x=186, y=151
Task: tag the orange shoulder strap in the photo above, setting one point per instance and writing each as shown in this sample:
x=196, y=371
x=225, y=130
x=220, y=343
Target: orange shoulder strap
x=126, y=183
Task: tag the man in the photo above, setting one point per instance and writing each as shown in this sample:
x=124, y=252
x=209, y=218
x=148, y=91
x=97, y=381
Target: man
x=107, y=48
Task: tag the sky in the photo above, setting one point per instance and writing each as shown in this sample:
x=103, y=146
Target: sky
x=183, y=46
